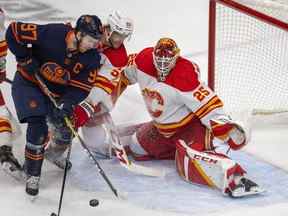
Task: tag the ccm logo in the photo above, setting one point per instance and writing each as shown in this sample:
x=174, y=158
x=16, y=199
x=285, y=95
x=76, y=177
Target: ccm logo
x=206, y=159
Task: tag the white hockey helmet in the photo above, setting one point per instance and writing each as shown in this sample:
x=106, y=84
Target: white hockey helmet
x=122, y=25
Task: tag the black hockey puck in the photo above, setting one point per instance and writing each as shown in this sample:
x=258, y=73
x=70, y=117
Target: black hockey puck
x=53, y=214
x=94, y=202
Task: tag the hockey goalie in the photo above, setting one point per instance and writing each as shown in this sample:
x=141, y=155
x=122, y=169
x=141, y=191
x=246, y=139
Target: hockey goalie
x=186, y=117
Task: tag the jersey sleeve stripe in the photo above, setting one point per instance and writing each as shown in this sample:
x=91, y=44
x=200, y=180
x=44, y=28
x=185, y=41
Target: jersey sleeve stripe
x=14, y=31
x=209, y=106
x=80, y=85
x=107, y=89
x=210, y=109
x=5, y=126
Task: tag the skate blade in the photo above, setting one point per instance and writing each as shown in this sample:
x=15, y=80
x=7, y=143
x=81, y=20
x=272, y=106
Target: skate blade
x=249, y=193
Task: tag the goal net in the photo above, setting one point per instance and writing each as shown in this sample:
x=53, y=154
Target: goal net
x=248, y=55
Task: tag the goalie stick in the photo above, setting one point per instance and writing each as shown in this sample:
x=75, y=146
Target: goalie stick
x=122, y=155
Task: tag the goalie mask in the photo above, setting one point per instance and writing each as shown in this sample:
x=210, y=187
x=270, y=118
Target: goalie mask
x=119, y=29
x=165, y=55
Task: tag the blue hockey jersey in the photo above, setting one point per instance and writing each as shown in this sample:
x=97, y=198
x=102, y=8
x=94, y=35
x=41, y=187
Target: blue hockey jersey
x=48, y=43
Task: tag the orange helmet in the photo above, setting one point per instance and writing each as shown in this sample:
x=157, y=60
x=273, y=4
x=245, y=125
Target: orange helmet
x=165, y=55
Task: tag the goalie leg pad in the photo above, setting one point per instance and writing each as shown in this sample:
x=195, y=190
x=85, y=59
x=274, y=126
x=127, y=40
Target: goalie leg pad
x=210, y=169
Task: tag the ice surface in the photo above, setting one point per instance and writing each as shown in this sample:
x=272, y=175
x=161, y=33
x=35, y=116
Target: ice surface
x=186, y=21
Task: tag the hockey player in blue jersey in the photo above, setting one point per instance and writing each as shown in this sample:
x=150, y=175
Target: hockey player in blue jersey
x=64, y=58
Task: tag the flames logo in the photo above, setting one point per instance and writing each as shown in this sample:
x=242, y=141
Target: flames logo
x=154, y=102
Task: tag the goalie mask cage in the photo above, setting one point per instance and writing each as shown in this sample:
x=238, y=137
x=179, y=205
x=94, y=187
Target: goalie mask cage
x=248, y=54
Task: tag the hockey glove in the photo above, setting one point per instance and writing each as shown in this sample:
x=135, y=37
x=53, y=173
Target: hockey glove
x=54, y=73
x=83, y=112
x=29, y=64
x=230, y=132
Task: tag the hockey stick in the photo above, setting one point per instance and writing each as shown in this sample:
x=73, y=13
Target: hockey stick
x=75, y=133
x=122, y=155
x=119, y=148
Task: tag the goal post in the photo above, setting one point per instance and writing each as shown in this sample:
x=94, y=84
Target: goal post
x=248, y=55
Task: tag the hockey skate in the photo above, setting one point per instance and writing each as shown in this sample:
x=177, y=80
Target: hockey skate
x=246, y=187
x=10, y=164
x=32, y=186
x=55, y=155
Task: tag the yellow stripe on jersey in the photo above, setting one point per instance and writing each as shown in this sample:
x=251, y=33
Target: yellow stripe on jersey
x=168, y=130
x=212, y=104
x=181, y=123
x=80, y=85
x=105, y=84
x=3, y=48
x=5, y=125
x=105, y=88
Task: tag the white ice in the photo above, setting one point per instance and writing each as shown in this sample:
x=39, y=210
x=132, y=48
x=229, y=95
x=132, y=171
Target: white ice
x=264, y=158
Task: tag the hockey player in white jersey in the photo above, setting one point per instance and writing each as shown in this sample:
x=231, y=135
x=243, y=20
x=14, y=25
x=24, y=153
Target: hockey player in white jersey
x=186, y=117
x=88, y=114
x=9, y=129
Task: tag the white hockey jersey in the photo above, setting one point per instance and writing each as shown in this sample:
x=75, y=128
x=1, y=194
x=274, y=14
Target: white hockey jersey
x=108, y=85
x=174, y=103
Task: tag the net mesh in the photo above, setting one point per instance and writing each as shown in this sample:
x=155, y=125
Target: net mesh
x=251, y=58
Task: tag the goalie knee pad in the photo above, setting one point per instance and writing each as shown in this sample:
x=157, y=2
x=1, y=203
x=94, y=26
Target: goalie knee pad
x=210, y=169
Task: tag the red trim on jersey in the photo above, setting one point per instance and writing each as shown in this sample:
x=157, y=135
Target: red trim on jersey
x=5, y=125
x=211, y=105
x=117, y=57
x=14, y=31
x=184, y=76
x=3, y=48
x=2, y=101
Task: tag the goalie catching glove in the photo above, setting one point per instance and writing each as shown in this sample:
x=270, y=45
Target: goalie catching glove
x=54, y=73
x=228, y=131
